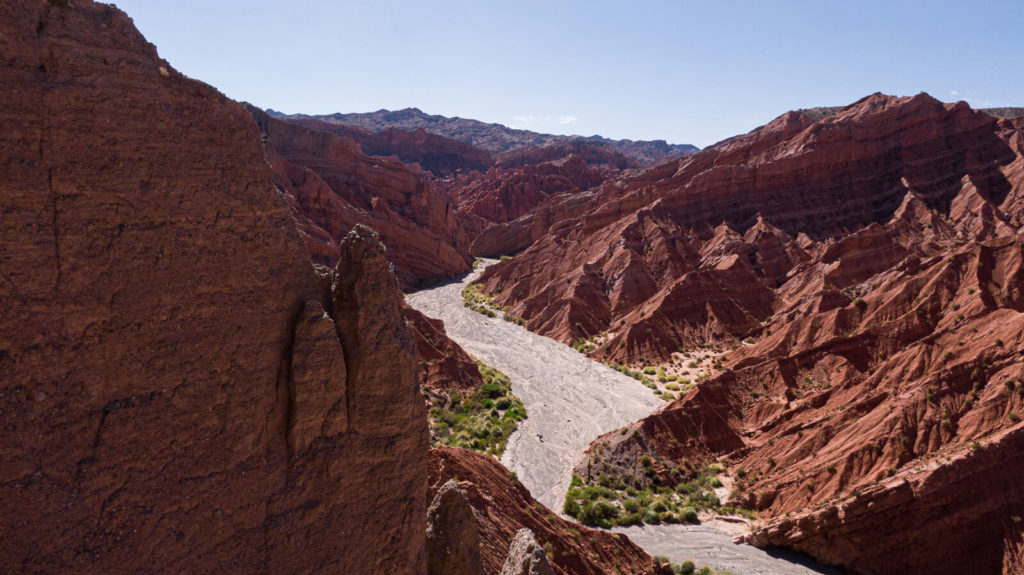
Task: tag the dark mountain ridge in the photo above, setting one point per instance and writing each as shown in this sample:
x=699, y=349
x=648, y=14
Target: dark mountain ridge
x=495, y=138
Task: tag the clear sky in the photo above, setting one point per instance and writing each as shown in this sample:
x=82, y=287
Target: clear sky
x=687, y=72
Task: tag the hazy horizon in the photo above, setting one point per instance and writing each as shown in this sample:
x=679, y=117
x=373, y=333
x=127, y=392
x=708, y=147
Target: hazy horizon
x=684, y=72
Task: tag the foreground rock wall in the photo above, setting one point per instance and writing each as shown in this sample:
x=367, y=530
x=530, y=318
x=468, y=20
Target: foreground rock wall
x=175, y=393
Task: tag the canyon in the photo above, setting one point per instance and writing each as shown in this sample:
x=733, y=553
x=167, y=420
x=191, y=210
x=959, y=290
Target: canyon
x=227, y=331
x=861, y=269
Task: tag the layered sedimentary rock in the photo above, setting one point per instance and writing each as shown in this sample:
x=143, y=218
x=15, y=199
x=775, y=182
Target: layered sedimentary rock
x=181, y=392
x=502, y=507
x=645, y=259
x=332, y=185
x=442, y=364
x=877, y=399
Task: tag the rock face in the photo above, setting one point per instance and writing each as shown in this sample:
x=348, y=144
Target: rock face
x=496, y=138
x=443, y=365
x=331, y=186
x=880, y=378
x=525, y=557
x=502, y=507
x=453, y=542
x=181, y=391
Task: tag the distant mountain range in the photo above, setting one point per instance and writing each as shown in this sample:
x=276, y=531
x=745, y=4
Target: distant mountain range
x=494, y=138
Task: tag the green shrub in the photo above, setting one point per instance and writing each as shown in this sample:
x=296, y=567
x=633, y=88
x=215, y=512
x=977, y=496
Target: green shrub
x=571, y=508
x=690, y=515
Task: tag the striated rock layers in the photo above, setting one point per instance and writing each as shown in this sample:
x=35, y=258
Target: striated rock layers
x=443, y=365
x=710, y=246
x=502, y=507
x=876, y=404
x=180, y=391
x=331, y=186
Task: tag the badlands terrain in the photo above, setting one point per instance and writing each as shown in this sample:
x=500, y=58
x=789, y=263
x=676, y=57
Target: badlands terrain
x=240, y=341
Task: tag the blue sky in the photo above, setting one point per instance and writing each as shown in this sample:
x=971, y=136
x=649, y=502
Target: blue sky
x=687, y=72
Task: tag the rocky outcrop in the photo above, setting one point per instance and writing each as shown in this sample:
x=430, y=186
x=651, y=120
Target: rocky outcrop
x=525, y=557
x=867, y=419
x=331, y=186
x=591, y=153
x=443, y=365
x=496, y=138
x=181, y=391
x=502, y=507
x=453, y=542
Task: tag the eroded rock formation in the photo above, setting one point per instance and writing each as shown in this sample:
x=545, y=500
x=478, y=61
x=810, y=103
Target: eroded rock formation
x=181, y=392
x=430, y=152
x=332, y=185
x=880, y=377
x=453, y=542
x=496, y=138
x=526, y=557
x=710, y=239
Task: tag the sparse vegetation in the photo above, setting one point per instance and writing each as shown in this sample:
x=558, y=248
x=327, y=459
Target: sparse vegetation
x=611, y=502
x=476, y=301
x=481, y=421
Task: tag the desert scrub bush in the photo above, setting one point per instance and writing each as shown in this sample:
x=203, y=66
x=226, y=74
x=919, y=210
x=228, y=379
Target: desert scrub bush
x=477, y=301
x=482, y=420
x=513, y=319
x=647, y=502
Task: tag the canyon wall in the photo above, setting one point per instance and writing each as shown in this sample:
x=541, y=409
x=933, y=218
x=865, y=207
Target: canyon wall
x=181, y=392
x=332, y=185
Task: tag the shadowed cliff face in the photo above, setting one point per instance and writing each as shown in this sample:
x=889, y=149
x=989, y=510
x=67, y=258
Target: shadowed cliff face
x=331, y=186
x=180, y=390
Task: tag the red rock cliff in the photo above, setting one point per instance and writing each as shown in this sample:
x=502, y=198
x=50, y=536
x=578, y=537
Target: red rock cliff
x=331, y=186
x=176, y=395
x=707, y=240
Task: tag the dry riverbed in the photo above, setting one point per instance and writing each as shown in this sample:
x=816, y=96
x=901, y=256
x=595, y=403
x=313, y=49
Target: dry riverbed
x=571, y=400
